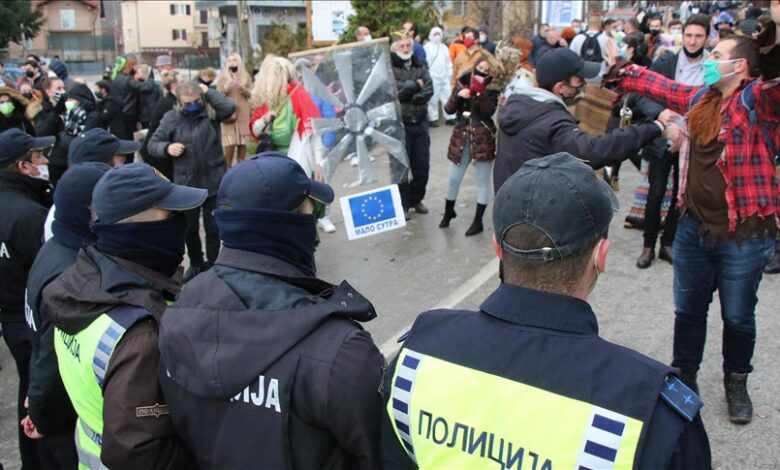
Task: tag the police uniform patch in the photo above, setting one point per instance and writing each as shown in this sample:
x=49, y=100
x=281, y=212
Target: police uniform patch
x=155, y=410
x=681, y=398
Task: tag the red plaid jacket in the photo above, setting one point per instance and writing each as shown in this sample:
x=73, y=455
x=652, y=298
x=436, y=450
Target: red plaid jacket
x=747, y=164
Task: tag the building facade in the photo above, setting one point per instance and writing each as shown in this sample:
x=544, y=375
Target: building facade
x=152, y=28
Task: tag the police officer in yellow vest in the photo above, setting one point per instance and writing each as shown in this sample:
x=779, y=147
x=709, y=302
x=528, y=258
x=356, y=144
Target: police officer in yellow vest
x=526, y=382
x=106, y=308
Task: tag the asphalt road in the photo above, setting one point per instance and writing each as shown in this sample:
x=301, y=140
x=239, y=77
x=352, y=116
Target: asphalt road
x=420, y=267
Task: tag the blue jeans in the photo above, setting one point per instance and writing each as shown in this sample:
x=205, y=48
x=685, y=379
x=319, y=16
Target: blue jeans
x=483, y=169
x=734, y=270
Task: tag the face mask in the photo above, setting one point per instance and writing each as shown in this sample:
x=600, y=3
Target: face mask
x=6, y=108
x=468, y=42
x=27, y=95
x=43, y=172
x=233, y=69
x=676, y=33
x=70, y=105
x=368, y=37
x=58, y=96
x=29, y=74
x=205, y=82
x=620, y=29
x=617, y=36
x=480, y=73
x=482, y=38
x=436, y=39
x=578, y=30
x=623, y=52
x=712, y=74
x=192, y=108
x=576, y=98
x=693, y=55
x=655, y=32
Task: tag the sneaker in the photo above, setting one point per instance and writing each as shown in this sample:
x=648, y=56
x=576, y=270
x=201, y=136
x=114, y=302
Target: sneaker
x=350, y=156
x=326, y=225
x=354, y=161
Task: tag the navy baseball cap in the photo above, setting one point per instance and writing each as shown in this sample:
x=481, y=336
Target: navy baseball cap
x=79, y=181
x=133, y=188
x=559, y=195
x=270, y=180
x=14, y=144
x=560, y=64
x=99, y=145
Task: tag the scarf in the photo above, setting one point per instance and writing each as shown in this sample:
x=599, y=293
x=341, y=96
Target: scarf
x=157, y=245
x=75, y=120
x=288, y=236
x=71, y=221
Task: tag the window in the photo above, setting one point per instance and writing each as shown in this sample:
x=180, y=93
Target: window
x=204, y=40
x=129, y=34
x=180, y=9
x=179, y=34
x=204, y=17
x=68, y=19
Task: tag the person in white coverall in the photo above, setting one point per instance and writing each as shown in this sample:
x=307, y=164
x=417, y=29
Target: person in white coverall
x=440, y=68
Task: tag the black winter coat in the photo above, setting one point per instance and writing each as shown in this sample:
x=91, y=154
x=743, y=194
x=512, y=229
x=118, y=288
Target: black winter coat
x=202, y=164
x=535, y=123
x=163, y=164
x=50, y=407
x=264, y=367
x=49, y=121
x=25, y=203
x=413, y=97
x=129, y=90
x=110, y=110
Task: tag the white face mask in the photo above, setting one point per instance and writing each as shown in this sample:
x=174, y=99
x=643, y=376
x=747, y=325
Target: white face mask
x=43, y=172
x=436, y=39
x=367, y=37
x=482, y=38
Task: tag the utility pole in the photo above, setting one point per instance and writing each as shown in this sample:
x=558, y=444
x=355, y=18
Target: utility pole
x=242, y=17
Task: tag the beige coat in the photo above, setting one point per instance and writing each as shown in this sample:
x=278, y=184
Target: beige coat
x=466, y=61
x=237, y=132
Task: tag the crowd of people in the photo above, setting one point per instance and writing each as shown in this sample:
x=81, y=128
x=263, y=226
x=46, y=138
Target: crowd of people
x=248, y=360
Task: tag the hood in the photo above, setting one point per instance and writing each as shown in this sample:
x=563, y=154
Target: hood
x=436, y=30
x=201, y=345
x=95, y=284
x=16, y=96
x=524, y=105
x=82, y=93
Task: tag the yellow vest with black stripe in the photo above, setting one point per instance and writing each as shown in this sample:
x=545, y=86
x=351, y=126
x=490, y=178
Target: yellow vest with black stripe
x=83, y=360
x=456, y=401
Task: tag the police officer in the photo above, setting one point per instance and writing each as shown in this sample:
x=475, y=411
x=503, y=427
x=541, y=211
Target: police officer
x=527, y=382
x=263, y=364
x=51, y=417
x=105, y=310
x=26, y=195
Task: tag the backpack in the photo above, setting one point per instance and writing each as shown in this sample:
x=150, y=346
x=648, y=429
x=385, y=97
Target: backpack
x=591, y=49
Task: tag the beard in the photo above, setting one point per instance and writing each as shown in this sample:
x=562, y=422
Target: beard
x=693, y=55
x=405, y=56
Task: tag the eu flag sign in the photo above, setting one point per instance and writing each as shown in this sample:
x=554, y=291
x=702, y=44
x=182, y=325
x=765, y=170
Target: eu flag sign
x=372, y=212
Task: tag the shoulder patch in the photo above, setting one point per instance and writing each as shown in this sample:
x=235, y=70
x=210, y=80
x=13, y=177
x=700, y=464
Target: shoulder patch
x=681, y=398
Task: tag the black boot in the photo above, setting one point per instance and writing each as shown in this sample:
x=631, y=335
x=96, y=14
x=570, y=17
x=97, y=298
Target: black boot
x=688, y=378
x=449, y=213
x=740, y=406
x=476, y=225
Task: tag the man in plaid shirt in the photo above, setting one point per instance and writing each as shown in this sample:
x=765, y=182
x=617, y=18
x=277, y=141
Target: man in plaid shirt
x=729, y=197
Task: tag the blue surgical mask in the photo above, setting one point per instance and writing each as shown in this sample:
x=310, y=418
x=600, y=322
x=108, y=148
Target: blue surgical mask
x=192, y=108
x=712, y=74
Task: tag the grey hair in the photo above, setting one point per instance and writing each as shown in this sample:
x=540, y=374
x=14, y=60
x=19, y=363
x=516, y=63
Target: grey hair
x=189, y=88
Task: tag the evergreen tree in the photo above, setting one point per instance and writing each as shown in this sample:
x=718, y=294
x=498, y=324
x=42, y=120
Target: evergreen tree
x=383, y=17
x=18, y=21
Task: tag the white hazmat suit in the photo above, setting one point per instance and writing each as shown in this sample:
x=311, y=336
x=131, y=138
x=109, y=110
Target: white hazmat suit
x=440, y=68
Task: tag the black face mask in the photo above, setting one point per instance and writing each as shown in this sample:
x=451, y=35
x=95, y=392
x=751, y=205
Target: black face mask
x=655, y=32
x=693, y=55
x=204, y=82
x=29, y=73
x=157, y=245
x=480, y=73
x=233, y=69
x=27, y=95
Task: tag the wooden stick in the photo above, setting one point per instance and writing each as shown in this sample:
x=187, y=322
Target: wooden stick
x=339, y=47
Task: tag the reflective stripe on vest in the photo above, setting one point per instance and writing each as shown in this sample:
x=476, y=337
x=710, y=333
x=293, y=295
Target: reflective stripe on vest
x=83, y=359
x=450, y=416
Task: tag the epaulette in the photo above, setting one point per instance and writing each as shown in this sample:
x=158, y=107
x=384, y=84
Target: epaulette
x=681, y=398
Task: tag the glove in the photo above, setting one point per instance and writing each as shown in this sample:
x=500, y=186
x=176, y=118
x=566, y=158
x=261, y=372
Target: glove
x=611, y=79
x=769, y=57
x=59, y=108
